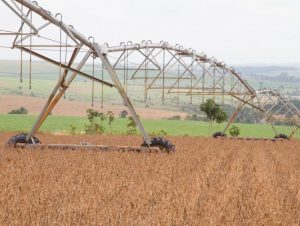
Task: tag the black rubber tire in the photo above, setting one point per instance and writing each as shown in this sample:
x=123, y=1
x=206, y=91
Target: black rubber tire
x=21, y=139
x=219, y=134
x=281, y=136
x=162, y=143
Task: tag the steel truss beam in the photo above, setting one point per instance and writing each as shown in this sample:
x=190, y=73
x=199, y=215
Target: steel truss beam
x=57, y=94
x=103, y=56
x=177, y=55
x=160, y=66
x=80, y=42
x=277, y=108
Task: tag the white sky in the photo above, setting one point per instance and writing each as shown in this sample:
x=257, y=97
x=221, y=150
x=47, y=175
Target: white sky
x=234, y=31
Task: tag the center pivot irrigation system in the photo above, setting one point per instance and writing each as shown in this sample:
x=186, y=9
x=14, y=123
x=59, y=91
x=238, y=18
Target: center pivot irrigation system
x=160, y=67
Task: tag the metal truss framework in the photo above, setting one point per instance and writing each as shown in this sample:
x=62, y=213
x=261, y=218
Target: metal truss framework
x=176, y=70
x=277, y=109
x=170, y=69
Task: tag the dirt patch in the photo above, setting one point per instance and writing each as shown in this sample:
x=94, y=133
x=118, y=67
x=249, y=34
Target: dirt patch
x=76, y=108
x=3, y=84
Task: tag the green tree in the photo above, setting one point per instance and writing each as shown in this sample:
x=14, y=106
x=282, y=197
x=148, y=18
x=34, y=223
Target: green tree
x=20, y=111
x=111, y=117
x=94, y=126
x=131, y=126
x=221, y=116
x=213, y=112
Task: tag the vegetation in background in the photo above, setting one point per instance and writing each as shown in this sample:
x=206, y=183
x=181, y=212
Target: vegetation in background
x=123, y=114
x=214, y=112
x=111, y=117
x=234, y=131
x=19, y=111
x=73, y=129
x=61, y=124
x=131, y=126
x=162, y=132
x=175, y=117
x=194, y=117
x=95, y=126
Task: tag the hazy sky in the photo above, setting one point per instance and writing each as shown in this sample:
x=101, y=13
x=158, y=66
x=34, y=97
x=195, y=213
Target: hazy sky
x=234, y=31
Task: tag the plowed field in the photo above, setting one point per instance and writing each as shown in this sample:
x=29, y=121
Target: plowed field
x=206, y=182
x=76, y=108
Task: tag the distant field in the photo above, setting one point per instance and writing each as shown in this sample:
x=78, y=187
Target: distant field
x=45, y=77
x=78, y=108
x=81, y=90
x=61, y=124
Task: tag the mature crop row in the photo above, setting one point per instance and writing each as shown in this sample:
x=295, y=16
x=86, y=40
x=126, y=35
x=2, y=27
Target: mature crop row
x=206, y=182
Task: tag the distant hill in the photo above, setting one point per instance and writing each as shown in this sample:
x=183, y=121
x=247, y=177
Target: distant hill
x=284, y=78
x=40, y=70
x=249, y=70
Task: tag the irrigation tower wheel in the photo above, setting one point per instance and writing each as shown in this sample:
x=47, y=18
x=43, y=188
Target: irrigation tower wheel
x=21, y=139
x=281, y=136
x=162, y=143
x=219, y=134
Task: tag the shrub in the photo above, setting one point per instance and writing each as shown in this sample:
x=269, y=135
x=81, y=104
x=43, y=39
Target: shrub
x=73, y=129
x=193, y=117
x=20, y=111
x=94, y=127
x=111, y=117
x=234, y=131
x=131, y=126
x=123, y=114
x=175, y=117
x=162, y=132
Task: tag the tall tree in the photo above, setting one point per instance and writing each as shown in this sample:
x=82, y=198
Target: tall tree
x=94, y=126
x=213, y=112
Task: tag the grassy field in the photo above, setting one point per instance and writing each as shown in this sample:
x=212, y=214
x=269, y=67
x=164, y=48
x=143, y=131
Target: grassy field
x=61, y=124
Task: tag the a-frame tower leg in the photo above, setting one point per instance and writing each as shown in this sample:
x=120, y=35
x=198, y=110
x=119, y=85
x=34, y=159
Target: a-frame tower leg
x=103, y=56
